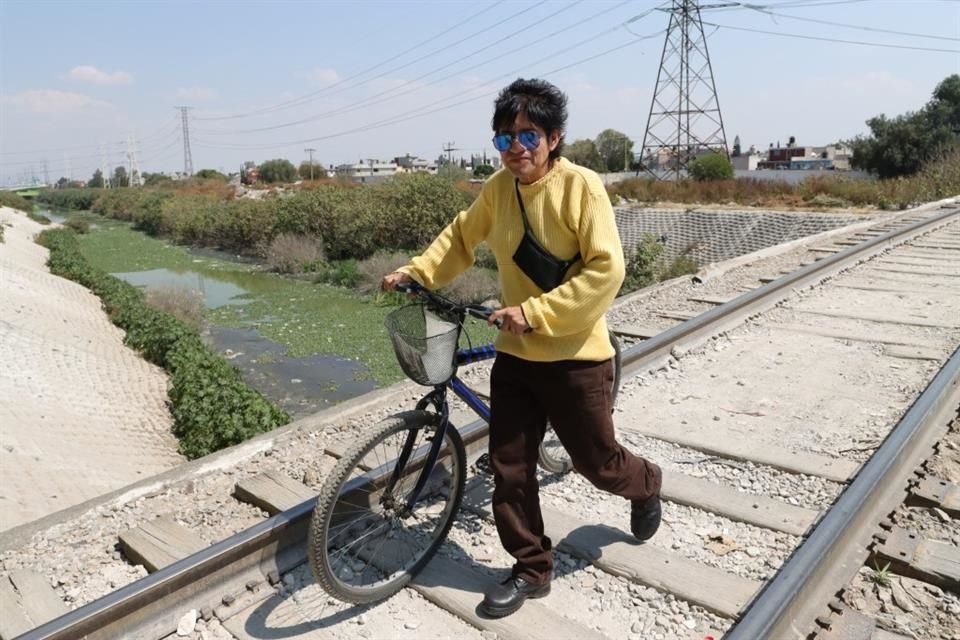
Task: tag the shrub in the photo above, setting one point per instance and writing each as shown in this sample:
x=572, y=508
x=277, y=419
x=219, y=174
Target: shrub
x=77, y=224
x=713, y=166
x=118, y=203
x=278, y=170
x=210, y=174
x=211, y=405
x=183, y=303
x=679, y=266
x=641, y=267
x=473, y=286
x=372, y=270
x=483, y=171
x=147, y=213
x=342, y=273
x=291, y=253
x=74, y=199
x=15, y=201
x=484, y=258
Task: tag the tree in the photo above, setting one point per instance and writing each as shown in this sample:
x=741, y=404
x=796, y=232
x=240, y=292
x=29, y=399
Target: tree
x=483, y=170
x=62, y=183
x=278, y=170
x=210, y=174
x=313, y=171
x=616, y=150
x=96, y=182
x=453, y=172
x=153, y=179
x=584, y=153
x=712, y=166
x=736, y=147
x=902, y=145
x=120, y=178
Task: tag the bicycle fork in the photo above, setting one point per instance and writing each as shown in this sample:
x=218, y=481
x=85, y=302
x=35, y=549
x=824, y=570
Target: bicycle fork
x=438, y=399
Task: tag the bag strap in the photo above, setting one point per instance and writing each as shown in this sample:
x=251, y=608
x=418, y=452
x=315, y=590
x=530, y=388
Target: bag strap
x=529, y=231
x=523, y=211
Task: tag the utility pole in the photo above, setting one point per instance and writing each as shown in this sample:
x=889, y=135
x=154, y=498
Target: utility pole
x=684, y=119
x=449, y=149
x=134, y=179
x=46, y=173
x=310, y=151
x=187, y=156
x=66, y=164
x=104, y=174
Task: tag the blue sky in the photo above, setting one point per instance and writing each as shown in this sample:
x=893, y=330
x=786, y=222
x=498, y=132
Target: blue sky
x=75, y=75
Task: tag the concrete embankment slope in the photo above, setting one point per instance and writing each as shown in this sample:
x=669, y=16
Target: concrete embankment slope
x=80, y=413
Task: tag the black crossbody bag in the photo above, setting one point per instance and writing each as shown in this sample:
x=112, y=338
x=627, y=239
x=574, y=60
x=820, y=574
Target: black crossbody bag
x=542, y=267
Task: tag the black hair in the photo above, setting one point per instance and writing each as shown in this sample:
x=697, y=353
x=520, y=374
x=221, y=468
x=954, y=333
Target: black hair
x=544, y=104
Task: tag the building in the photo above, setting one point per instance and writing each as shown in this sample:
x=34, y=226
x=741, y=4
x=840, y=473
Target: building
x=411, y=164
x=810, y=163
x=367, y=171
x=749, y=161
x=779, y=157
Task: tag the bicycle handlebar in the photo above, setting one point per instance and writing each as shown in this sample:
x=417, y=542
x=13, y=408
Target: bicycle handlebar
x=435, y=299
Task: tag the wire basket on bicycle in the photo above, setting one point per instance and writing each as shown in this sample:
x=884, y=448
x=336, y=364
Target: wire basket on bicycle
x=425, y=342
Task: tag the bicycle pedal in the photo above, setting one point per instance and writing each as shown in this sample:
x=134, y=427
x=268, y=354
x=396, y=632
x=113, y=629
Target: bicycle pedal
x=482, y=465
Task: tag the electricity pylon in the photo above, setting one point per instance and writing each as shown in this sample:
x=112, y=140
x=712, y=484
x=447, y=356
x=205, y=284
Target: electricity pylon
x=685, y=120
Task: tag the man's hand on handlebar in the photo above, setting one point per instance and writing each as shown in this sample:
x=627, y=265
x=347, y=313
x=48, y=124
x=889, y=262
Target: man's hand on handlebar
x=512, y=320
x=392, y=280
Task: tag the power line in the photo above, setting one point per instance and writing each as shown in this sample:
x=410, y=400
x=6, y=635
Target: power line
x=371, y=100
x=845, y=25
x=84, y=147
x=418, y=113
x=309, y=96
x=825, y=39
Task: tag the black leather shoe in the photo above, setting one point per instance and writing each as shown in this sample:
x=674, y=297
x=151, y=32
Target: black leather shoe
x=645, y=518
x=508, y=596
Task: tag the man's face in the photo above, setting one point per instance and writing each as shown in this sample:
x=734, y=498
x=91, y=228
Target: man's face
x=525, y=164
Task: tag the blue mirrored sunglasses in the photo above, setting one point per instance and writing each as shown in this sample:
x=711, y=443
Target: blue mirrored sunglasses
x=529, y=139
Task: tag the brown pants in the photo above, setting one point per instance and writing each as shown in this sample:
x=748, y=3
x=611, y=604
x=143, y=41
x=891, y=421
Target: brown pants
x=576, y=397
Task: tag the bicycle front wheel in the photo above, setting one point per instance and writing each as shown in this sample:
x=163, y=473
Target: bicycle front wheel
x=365, y=542
x=553, y=457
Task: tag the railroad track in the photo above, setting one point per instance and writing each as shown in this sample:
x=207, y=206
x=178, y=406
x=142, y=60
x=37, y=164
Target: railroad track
x=895, y=304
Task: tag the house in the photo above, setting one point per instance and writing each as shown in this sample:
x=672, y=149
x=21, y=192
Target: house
x=367, y=171
x=411, y=164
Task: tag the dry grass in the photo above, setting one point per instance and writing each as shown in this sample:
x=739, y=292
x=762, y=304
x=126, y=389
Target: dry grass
x=473, y=286
x=372, y=270
x=292, y=253
x=183, y=303
x=938, y=179
x=199, y=186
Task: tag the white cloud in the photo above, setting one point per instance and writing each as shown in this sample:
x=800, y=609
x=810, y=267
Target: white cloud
x=196, y=94
x=53, y=101
x=88, y=73
x=323, y=76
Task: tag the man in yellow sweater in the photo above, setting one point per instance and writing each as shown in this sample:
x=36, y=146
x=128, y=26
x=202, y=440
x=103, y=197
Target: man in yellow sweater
x=551, y=228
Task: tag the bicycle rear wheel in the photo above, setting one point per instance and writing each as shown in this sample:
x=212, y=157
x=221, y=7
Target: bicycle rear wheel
x=553, y=457
x=364, y=544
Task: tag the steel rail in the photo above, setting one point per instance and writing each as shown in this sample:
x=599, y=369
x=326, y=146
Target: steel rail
x=788, y=605
x=278, y=543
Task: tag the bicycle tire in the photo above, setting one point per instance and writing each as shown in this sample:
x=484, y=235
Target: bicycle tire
x=330, y=572
x=553, y=458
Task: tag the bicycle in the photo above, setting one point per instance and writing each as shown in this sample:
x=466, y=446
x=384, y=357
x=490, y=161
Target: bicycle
x=390, y=501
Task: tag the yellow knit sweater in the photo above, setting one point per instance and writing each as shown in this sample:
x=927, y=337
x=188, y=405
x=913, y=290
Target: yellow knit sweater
x=569, y=211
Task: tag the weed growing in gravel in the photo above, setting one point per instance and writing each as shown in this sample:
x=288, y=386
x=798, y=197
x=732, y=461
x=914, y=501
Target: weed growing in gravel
x=880, y=575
